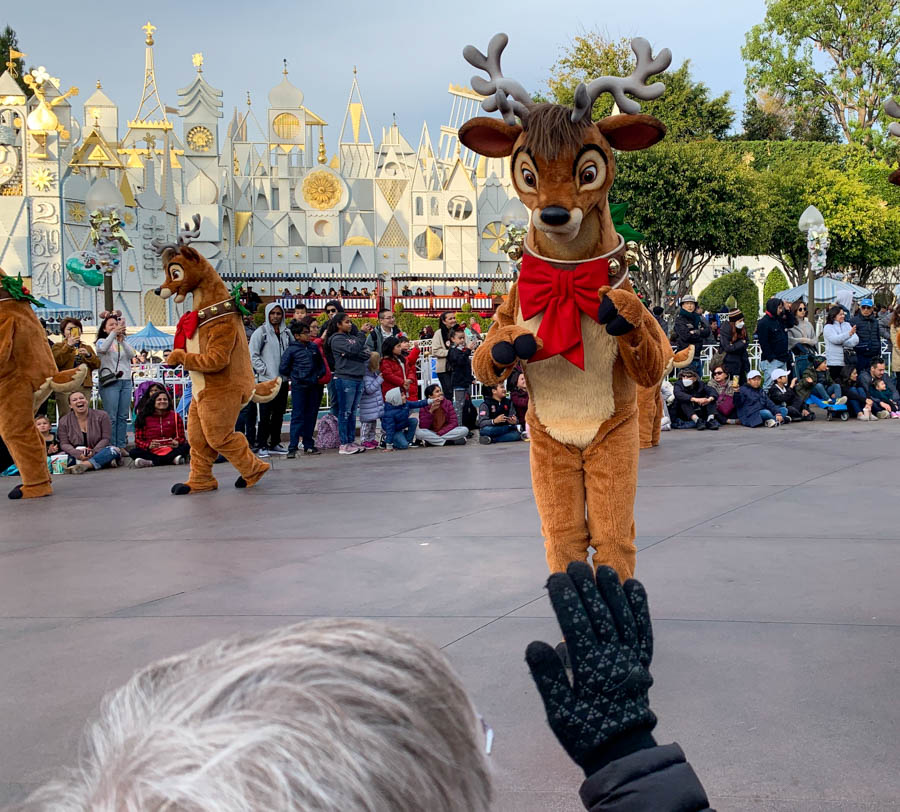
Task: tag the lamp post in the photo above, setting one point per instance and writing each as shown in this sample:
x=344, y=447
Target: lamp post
x=104, y=202
x=813, y=224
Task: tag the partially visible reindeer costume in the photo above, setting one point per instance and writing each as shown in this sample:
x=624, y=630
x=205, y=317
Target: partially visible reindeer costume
x=893, y=109
x=583, y=341
x=211, y=344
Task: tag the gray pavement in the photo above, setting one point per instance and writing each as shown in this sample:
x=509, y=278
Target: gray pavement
x=770, y=557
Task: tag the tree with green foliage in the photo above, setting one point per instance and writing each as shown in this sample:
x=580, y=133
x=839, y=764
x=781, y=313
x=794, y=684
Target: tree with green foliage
x=768, y=118
x=732, y=287
x=692, y=202
x=775, y=282
x=687, y=108
x=9, y=42
x=840, y=56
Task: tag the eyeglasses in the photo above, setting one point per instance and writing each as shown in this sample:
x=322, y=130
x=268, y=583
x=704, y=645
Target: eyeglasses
x=801, y=309
x=718, y=372
x=331, y=310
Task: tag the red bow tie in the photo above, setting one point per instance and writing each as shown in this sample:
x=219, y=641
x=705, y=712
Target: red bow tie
x=562, y=295
x=187, y=326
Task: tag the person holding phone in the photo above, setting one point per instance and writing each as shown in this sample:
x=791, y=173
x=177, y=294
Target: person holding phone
x=71, y=352
x=115, y=355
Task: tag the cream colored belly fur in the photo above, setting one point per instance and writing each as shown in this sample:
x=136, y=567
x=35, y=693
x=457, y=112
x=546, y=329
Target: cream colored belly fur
x=198, y=379
x=569, y=402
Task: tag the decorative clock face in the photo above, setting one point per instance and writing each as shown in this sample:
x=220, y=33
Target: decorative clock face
x=321, y=190
x=199, y=139
x=9, y=163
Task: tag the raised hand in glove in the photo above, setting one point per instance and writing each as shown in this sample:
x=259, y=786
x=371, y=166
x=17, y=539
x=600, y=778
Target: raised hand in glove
x=604, y=713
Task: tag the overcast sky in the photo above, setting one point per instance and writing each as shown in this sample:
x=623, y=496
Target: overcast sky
x=406, y=52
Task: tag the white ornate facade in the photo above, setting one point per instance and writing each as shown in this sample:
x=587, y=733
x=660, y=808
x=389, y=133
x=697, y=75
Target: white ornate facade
x=276, y=210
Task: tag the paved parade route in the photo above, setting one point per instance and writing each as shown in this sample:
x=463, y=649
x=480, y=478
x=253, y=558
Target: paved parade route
x=770, y=558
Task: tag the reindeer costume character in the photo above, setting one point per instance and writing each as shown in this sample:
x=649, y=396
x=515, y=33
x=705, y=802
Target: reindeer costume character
x=211, y=344
x=650, y=405
x=27, y=377
x=583, y=338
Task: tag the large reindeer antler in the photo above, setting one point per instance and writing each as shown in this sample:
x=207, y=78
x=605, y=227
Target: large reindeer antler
x=618, y=86
x=503, y=94
x=185, y=236
x=893, y=109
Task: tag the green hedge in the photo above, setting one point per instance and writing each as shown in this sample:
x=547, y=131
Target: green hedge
x=736, y=284
x=775, y=282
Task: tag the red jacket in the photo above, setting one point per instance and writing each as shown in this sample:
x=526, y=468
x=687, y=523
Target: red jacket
x=394, y=375
x=411, y=372
x=426, y=418
x=168, y=427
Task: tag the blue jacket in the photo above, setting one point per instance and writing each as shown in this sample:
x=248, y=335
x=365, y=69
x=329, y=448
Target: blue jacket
x=750, y=402
x=395, y=418
x=371, y=402
x=302, y=363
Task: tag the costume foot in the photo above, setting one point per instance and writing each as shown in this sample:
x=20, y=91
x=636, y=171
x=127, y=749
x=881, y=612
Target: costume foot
x=250, y=481
x=18, y=493
x=180, y=489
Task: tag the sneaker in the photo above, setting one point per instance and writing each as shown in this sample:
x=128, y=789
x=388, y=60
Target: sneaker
x=359, y=448
x=884, y=415
x=484, y=439
x=278, y=449
x=873, y=417
x=312, y=452
x=179, y=460
x=262, y=453
x=142, y=463
x=113, y=463
x=345, y=449
x=863, y=416
x=370, y=444
x=895, y=415
x=770, y=424
x=79, y=468
x=712, y=424
x=457, y=441
x=787, y=419
x=700, y=425
x=382, y=443
x=840, y=401
x=292, y=454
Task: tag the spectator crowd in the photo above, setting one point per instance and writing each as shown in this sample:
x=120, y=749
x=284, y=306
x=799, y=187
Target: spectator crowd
x=807, y=368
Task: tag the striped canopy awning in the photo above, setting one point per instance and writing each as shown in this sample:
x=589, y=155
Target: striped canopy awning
x=825, y=289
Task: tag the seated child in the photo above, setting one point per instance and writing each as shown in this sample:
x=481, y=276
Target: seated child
x=783, y=394
x=883, y=403
x=816, y=380
x=755, y=407
x=42, y=423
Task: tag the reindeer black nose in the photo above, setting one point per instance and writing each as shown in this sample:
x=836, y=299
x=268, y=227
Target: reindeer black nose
x=158, y=291
x=555, y=215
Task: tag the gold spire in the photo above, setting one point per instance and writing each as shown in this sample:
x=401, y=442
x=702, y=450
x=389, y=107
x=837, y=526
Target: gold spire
x=99, y=86
x=197, y=59
x=323, y=155
x=148, y=28
x=248, y=99
x=284, y=70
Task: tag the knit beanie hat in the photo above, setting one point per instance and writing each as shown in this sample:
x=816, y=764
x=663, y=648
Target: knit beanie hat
x=735, y=315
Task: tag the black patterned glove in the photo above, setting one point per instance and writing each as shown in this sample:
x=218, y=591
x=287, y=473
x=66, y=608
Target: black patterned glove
x=606, y=712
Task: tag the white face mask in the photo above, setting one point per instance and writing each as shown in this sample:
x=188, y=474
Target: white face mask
x=687, y=381
x=739, y=325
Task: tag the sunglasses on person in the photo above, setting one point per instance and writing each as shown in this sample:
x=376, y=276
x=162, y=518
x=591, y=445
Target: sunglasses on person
x=331, y=310
x=801, y=309
x=718, y=372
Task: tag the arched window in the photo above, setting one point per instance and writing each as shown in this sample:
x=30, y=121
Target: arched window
x=419, y=207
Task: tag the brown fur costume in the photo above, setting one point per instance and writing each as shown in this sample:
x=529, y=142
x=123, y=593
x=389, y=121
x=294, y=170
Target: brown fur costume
x=583, y=417
x=218, y=359
x=27, y=377
x=650, y=403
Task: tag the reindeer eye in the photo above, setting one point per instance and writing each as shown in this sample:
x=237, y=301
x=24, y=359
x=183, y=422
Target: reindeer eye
x=588, y=174
x=176, y=272
x=528, y=177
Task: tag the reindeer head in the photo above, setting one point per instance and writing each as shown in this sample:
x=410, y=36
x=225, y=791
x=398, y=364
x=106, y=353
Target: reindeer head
x=187, y=271
x=562, y=162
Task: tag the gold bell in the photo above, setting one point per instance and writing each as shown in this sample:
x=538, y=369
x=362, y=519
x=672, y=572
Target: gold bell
x=214, y=310
x=614, y=266
x=631, y=245
x=228, y=305
x=631, y=257
x=201, y=314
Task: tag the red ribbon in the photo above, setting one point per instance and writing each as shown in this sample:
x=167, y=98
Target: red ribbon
x=562, y=295
x=187, y=326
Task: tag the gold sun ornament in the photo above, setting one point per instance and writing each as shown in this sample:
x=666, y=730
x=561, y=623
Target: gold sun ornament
x=42, y=179
x=321, y=190
x=199, y=139
x=77, y=212
x=495, y=234
x=128, y=218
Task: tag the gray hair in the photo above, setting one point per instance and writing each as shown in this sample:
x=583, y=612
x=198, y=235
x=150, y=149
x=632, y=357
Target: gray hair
x=326, y=715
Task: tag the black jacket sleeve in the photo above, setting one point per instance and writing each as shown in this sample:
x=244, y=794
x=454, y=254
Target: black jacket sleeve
x=658, y=779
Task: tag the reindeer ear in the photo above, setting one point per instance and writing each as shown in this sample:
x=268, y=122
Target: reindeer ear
x=631, y=132
x=189, y=253
x=492, y=137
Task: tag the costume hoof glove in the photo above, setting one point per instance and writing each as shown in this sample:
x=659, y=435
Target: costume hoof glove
x=608, y=314
x=609, y=638
x=503, y=353
x=525, y=346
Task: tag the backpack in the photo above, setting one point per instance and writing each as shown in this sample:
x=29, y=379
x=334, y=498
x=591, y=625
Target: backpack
x=469, y=415
x=327, y=434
